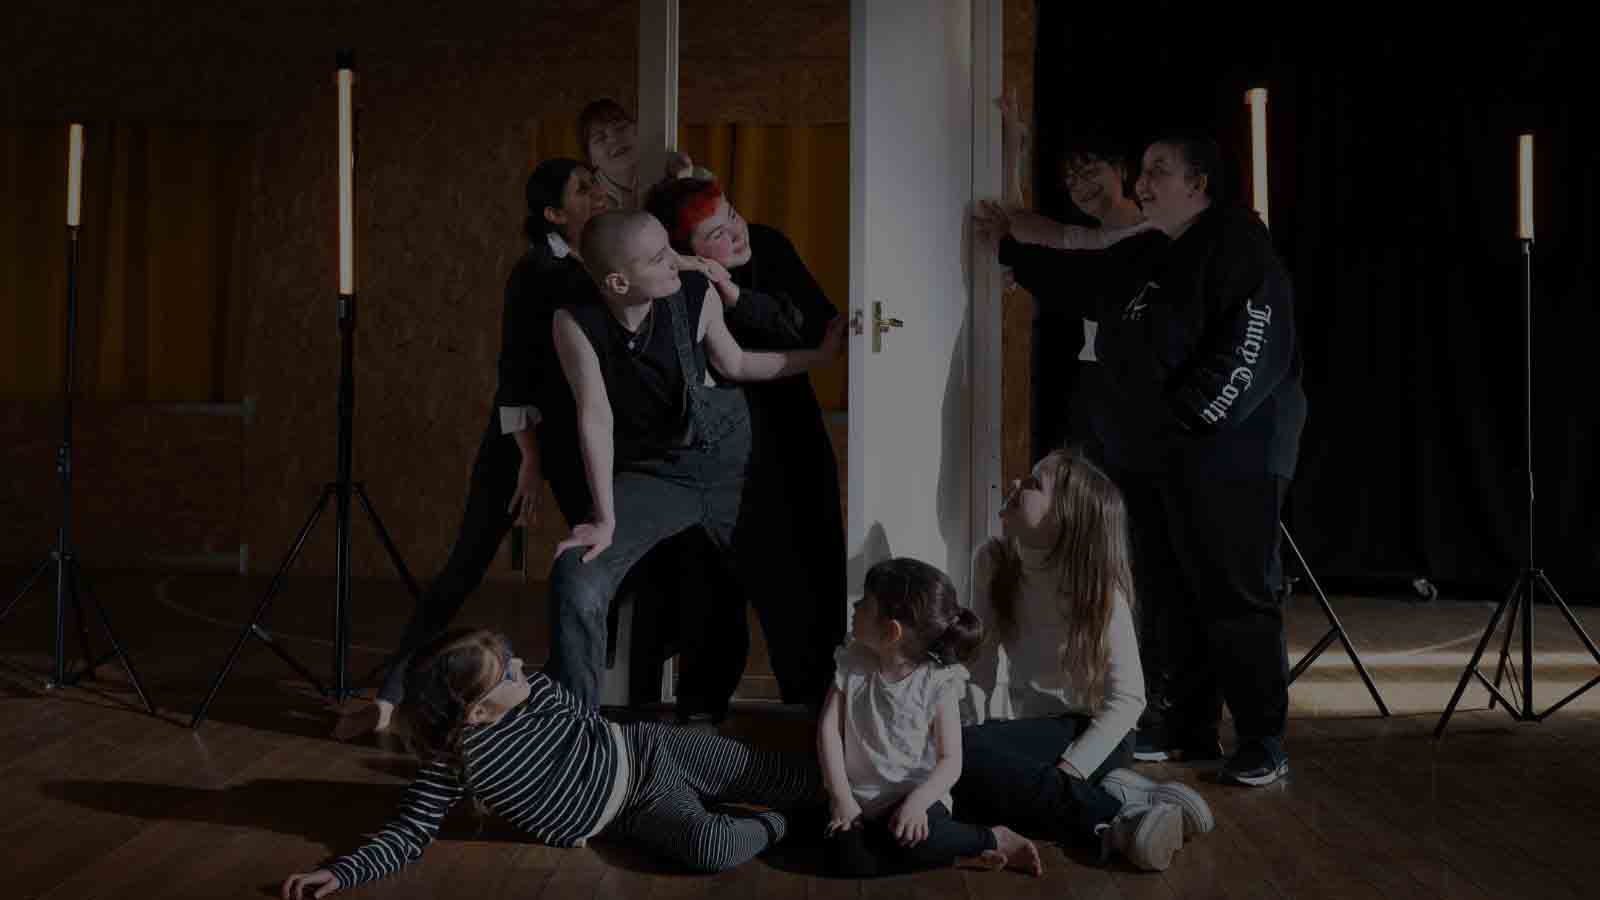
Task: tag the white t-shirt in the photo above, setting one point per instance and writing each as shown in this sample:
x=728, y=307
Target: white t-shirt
x=888, y=726
x=1018, y=675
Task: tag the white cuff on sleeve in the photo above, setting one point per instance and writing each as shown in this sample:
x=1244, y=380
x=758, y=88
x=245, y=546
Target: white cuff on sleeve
x=518, y=418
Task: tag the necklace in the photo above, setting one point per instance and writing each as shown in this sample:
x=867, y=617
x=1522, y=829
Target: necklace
x=640, y=339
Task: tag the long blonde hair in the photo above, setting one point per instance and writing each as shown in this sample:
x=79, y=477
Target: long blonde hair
x=1091, y=560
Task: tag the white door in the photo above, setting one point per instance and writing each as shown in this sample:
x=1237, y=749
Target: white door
x=924, y=406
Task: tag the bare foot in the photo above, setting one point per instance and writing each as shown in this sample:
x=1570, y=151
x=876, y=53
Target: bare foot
x=370, y=717
x=1019, y=852
x=987, y=861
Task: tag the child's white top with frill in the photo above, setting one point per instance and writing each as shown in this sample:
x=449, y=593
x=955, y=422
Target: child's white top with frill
x=888, y=726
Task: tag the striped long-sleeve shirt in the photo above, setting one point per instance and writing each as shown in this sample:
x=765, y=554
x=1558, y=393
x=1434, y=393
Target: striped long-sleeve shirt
x=547, y=767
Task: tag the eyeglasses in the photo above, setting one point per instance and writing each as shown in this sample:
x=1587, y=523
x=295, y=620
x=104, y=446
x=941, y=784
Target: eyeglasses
x=1085, y=172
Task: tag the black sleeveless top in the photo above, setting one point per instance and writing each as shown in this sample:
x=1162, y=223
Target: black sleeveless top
x=644, y=380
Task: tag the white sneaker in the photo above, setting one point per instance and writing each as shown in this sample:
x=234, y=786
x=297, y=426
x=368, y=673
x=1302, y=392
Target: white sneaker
x=1129, y=786
x=1148, y=836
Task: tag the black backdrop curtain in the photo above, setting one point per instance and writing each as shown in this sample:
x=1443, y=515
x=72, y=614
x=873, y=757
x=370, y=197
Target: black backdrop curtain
x=1393, y=180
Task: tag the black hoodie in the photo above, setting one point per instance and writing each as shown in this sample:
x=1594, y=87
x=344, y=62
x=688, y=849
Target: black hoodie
x=1197, y=340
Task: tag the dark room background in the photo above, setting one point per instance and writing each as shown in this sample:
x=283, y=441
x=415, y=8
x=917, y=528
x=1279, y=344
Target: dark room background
x=1392, y=143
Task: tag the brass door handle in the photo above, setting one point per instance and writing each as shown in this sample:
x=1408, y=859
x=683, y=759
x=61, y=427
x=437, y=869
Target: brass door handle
x=880, y=325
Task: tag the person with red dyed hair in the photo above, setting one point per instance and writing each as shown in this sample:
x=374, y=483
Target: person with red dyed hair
x=793, y=462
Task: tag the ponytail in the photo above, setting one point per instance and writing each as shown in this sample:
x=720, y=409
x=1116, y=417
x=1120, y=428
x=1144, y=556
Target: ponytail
x=960, y=640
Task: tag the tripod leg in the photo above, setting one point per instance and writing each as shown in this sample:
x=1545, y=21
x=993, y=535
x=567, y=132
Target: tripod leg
x=1555, y=597
x=1472, y=665
x=1372, y=688
x=1505, y=646
x=64, y=567
x=1526, y=587
x=388, y=544
x=253, y=627
x=1337, y=629
x=78, y=590
x=111, y=635
x=27, y=585
x=1312, y=654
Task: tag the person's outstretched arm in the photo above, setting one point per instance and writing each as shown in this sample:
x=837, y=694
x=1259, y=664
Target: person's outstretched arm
x=753, y=317
x=738, y=364
x=595, y=435
x=401, y=841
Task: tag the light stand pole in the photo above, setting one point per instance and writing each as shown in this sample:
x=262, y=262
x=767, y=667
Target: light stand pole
x=1531, y=579
x=343, y=487
x=69, y=573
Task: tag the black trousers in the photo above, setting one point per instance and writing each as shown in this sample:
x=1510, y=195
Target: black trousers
x=1208, y=575
x=799, y=545
x=484, y=524
x=870, y=849
x=1009, y=777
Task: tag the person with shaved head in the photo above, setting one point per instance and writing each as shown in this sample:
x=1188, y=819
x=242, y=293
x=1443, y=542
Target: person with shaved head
x=666, y=448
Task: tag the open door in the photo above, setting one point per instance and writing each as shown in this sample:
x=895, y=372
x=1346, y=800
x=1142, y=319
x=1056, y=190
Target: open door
x=924, y=362
x=924, y=384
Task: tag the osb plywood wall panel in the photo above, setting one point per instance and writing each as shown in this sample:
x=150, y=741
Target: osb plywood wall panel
x=150, y=483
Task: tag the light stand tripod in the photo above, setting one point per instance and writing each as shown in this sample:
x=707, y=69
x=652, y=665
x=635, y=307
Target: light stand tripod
x=340, y=490
x=69, y=574
x=1335, y=628
x=1521, y=596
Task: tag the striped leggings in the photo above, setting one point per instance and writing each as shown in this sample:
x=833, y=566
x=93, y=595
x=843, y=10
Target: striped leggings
x=679, y=773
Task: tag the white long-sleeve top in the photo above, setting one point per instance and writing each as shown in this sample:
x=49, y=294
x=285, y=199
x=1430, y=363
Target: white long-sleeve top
x=1018, y=675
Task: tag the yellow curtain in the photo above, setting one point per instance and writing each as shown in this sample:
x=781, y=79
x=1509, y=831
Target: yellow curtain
x=159, y=208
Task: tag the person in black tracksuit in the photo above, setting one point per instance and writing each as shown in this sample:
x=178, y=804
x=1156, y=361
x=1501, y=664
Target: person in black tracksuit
x=793, y=466
x=1200, y=427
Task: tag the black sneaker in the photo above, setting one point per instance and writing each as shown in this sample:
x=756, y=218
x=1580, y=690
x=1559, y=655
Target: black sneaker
x=1258, y=762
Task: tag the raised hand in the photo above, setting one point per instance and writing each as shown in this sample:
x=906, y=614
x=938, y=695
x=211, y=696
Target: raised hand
x=990, y=222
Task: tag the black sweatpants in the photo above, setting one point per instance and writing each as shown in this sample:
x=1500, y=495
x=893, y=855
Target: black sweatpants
x=1207, y=572
x=1009, y=777
x=870, y=849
